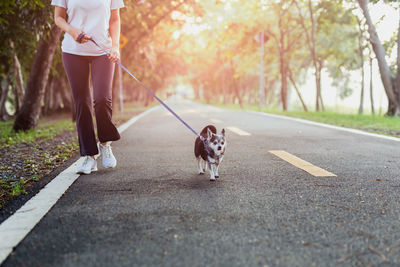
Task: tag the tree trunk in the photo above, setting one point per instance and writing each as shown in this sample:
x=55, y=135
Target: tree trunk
x=318, y=91
x=297, y=91
x=371, y=94
x=237, y=94
x=384, y=70
x=314, y=56
x=65, y=94
x=224, y=86
x=283, y=67
x=196, y=88
x=48, y=96
x=361, y=107
x=29, y=114
x=361, y=50
x=312, y=47
x=19, y=81
x=57, y=98
x=397, y=78
x=284, y=85
x=394, y=107
x=318, y=82
x=270, y=95
x=3, y=98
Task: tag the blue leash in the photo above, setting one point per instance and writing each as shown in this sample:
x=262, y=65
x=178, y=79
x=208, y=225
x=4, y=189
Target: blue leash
x=148, y=90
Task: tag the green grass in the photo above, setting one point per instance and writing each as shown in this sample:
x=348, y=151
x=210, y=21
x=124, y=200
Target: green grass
x=45, y=132
x=371, y=123
x=14, y=188
x=17, y=188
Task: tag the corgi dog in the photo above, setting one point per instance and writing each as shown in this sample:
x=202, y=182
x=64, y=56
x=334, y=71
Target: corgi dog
x=210, y=148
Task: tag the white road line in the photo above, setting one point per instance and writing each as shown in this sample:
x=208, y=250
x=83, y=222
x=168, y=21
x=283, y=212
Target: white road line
x=215, y=121
x=238, y=131
x=302, y=164
x=18, y=225
x=355, y=131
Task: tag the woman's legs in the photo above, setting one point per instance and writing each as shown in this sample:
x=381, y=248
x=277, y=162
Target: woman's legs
x=102, y=77
x=77, y=69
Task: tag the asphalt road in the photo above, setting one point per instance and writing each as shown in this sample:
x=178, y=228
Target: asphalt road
x=155, y=210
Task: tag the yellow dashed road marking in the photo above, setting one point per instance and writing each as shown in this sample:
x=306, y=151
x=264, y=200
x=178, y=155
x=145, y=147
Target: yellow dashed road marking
x=302, y=164
x=238, y=131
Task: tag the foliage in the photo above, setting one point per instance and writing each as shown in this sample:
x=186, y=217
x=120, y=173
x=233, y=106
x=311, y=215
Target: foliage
x=224, y=56
x=9, y=137
x=150, y=51
x=390, y=46
x=17, y=188
x=209, y=44
x=22, y=21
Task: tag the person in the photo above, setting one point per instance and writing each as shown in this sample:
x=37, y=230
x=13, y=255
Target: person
x=81, y=21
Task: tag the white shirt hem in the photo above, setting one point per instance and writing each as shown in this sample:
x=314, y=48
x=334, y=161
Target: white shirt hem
x=80, y=53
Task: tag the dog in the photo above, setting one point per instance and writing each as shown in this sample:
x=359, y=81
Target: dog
x=214, y=151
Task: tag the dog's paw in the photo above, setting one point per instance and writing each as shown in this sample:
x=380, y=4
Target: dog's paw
x=212, y=179
x=201, y=173
x=216, y=176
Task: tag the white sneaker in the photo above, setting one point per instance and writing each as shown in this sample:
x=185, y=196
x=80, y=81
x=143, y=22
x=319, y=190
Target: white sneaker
x=89, y=165
x=107, y=156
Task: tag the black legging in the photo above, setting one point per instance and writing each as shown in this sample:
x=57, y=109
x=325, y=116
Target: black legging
x=102, y=70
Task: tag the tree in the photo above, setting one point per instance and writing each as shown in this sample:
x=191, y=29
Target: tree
x=3, y=97
x=361, y=51
x=370, y=81
x=297, y=90
x=311, y=44
x=391, y=83
x=19, y=82
x=29, y=114
x=149, y=53
x=21, y=22
x=288, y=40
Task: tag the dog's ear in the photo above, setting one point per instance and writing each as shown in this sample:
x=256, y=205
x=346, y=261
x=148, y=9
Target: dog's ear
x=209, y=133
x=223, y=132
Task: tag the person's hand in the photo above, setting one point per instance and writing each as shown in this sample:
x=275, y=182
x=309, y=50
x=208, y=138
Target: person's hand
x=114, y=54
x=74, y=32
